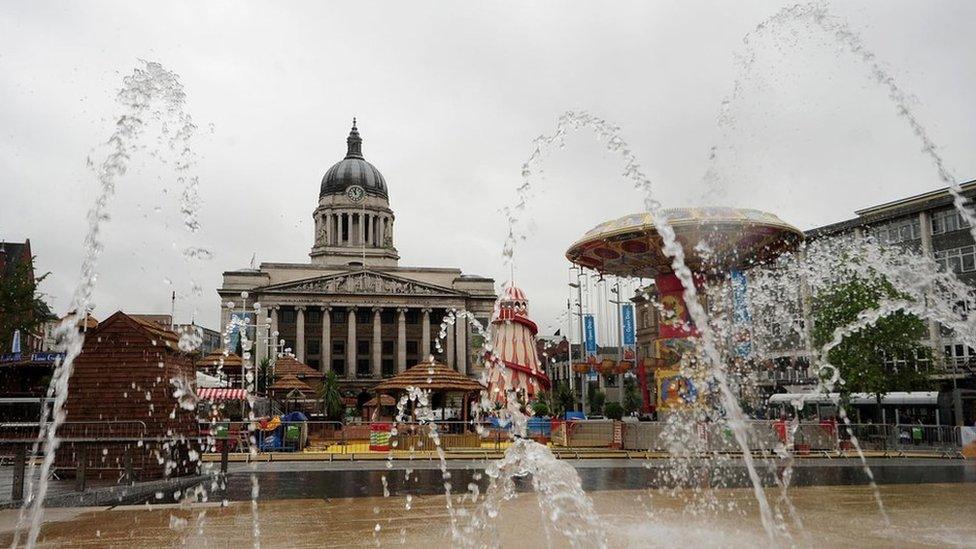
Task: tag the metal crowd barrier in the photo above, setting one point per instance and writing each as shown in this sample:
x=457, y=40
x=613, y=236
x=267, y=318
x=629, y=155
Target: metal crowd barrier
x=762, y=436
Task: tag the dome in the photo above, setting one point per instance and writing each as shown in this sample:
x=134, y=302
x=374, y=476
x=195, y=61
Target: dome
x=353, y=170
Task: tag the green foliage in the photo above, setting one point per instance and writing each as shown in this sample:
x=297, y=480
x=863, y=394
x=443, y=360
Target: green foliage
x=540, y=408
x=613, y=410
x=264, y=374
x=632, y=396
x=860, y=357
x=21, y=305
x=562, y=399
x=332, y=405
x=597, y=399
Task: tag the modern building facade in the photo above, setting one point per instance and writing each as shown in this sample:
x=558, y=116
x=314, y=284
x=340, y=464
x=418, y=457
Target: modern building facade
x=928, y=224
x=352, y=308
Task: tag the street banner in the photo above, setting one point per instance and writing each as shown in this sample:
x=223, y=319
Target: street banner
x=741, y=318
x=237, y=326
x=627, y=315
x=589, y=331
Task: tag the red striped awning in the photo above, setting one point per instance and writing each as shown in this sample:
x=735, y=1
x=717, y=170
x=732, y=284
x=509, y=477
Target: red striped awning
x=221, y=393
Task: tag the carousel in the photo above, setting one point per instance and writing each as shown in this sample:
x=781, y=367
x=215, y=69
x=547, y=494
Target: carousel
x=718, y=242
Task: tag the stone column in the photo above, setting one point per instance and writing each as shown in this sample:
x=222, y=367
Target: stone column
x=449, y=345
x=360, y=229
x=262, y=336
x=275, y=336
x=461, y=333
x=425, y=340
x=326, y=365
x=401, y=340
x=351, y=343
x=300, y=333
x=377, y=361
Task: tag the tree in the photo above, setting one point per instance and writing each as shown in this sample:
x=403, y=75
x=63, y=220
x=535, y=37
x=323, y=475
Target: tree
x=563, y=399
x=597, y=399
x=264, y=375
x=887, y=356
x=540, y=408
x=613, y=410
x=632, y=397
x=21, y=305
x=332, y=405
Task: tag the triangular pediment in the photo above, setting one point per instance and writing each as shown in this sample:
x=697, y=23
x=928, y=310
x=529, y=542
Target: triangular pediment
x=361, y=282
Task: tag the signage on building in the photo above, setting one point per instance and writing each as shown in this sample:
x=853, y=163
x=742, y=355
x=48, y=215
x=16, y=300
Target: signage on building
x=589, y=331
x=46, y=357
x=627, y=315
x=10, y=357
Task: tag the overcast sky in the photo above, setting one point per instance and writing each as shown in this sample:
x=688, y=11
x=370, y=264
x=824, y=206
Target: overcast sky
x=449, y=96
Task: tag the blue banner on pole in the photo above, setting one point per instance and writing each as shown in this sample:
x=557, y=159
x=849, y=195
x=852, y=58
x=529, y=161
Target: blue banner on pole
x=741, y=318
x=589, y=328
x=627, y=314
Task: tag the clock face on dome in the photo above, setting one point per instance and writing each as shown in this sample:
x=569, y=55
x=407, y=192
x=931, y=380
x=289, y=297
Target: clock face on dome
x=355, y=193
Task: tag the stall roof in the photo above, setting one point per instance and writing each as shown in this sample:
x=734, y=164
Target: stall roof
x=897, y=398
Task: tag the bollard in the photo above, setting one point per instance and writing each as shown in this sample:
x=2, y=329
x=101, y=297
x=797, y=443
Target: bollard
x=80, y=473
x=224, y=450
x=20, y=462
x=130, y=476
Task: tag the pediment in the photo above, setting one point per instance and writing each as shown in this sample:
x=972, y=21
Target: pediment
x=361, y=282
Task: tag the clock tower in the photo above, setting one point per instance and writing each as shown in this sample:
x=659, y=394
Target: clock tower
x=353, y=220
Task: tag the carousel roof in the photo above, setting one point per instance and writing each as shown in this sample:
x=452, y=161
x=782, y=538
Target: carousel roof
x=214, y=359
x=289, y=382
x=381, y=400
x=432, y=376
x=712, y=238
x=290, y=365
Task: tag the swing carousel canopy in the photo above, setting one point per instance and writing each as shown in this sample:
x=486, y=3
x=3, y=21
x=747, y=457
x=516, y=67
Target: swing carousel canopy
x=718, y=238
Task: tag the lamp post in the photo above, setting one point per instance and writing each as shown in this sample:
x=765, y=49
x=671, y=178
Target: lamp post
x=584, y=384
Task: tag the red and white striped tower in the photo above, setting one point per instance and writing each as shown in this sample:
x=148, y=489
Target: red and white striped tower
x=514, y=362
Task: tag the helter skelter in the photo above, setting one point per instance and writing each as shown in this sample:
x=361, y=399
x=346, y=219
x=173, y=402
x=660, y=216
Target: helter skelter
x=517, y=371
x=717, y=241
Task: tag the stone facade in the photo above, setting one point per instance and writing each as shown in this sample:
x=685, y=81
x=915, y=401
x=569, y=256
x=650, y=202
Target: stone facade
x=352, y=308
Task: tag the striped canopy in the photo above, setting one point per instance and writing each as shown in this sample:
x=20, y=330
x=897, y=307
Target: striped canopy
x=221, y=393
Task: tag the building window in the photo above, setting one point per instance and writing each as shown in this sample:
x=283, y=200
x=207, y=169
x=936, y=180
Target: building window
x=945, y=221
x=313, y=316
x=288, y=316
x=339, y=317
x=412, y=347
x=959, y=354
x=362, y=346
x=338, y=347
x=339, y=366
x=364, y=316
x=412, y=316
x=387, y=316
x=958, y=260
x=314, y=364
x=388, y=347
x=899, y=230
x=388, y=369
x=314, y=347
x=362, y=368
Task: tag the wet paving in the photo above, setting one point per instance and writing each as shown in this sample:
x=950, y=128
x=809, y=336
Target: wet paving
x=922, y=515
x=301, y=481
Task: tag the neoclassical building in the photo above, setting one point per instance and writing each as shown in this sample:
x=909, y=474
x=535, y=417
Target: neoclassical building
x=352, y=308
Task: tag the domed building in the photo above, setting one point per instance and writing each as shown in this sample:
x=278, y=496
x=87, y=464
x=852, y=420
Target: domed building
x=352, y=308
x=354, y=222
